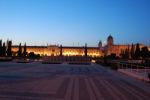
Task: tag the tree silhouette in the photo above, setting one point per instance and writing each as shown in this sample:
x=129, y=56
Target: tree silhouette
x=31, y=55
x=1, y=48
x=85, y=51
x=60, y=50
x=137, y=51
x=4, y=50
x=20, y=50
x=25, y=50
x=9, y=46
x=34, y=56
x=126, y=53
x=144, y=52
x=132, y=52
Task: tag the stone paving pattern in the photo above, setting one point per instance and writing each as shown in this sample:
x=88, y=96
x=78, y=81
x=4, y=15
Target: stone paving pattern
x=36, y=81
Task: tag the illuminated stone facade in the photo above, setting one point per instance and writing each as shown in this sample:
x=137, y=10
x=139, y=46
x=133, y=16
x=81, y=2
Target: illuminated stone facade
x=112, y=48
x=54, y=50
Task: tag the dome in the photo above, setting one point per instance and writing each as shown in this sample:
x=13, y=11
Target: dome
x=110, y=37
x=110, y=40
x=100, y=44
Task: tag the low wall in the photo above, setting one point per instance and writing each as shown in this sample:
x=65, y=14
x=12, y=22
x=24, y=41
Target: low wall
x=5, y=58
x=68, y=59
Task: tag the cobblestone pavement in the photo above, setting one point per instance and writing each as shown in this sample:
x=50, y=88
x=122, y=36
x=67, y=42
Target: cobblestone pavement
x=36, y=81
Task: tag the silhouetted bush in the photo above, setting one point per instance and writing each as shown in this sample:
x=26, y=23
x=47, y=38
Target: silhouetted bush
x=149, y=75
x=34, y=56
x=114, y=65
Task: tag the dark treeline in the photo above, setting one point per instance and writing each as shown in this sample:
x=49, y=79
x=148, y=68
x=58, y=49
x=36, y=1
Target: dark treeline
x=135, y=52
x=22, y=53
x=5, y=49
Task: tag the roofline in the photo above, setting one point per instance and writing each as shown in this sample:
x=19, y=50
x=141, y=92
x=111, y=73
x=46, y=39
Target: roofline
x=76, y=47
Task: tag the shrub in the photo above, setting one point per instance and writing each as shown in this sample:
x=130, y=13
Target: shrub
x=149, y=75
x=114, y=66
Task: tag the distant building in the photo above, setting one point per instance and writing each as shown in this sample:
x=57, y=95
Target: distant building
x=99, y=51
x=112, y=48
x=54, y=50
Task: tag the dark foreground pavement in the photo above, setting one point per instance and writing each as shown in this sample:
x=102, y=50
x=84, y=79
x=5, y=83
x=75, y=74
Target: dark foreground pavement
x=36, y=81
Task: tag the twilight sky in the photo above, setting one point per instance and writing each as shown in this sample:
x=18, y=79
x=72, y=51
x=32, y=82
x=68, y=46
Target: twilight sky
x=77, y=22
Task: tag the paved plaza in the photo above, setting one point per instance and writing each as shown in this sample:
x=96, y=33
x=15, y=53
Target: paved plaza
x=36, y=81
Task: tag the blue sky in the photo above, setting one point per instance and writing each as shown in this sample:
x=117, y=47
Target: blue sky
x=69, y=22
